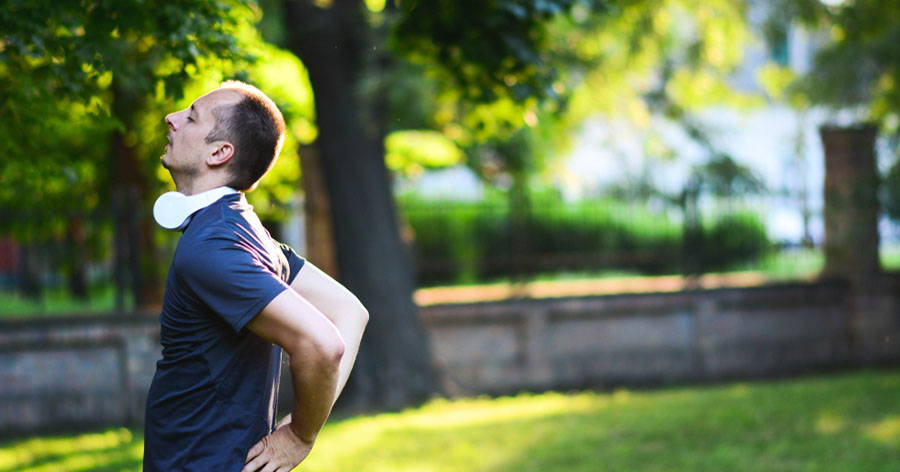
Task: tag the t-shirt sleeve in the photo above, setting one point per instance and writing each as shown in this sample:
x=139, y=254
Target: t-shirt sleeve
x=295, y=261
x=230, y=280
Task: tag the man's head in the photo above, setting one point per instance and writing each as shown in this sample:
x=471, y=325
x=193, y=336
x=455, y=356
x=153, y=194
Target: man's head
x=233, y=133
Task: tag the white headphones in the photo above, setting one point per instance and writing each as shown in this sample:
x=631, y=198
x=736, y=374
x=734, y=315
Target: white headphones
x=173, y=210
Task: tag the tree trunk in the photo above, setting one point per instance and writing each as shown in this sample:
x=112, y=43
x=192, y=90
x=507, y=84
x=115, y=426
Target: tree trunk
x=693, y=256
x=394, y=364
x=120, y=246
x=78, y=259
x=133, y=228
x=802, y=192
x=320, y=248
x=519, y=222
x=30, y=270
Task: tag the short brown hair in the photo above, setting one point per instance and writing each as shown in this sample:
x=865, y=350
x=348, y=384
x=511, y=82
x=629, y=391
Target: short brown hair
x=255, y=127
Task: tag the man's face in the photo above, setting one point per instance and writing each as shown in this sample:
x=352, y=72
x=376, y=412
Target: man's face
x=187, y=151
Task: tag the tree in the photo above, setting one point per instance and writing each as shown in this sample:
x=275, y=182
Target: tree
x=857, y=65
x=623, y=60
x=627, y=60
x=345, y=54
x=855, y=76
x=109, y=56
x=86, y=100
x=394, y=364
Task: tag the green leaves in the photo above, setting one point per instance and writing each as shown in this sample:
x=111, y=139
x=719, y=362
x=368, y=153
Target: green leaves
x=65, y=47
x=59, y=64
x=723, y=176
x=488, y=49
x=411, y=152
x=507, y=69
x=858, y=63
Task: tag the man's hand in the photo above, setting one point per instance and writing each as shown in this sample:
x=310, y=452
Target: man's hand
x=280, y=451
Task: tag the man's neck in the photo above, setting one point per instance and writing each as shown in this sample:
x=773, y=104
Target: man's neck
x=200, y=184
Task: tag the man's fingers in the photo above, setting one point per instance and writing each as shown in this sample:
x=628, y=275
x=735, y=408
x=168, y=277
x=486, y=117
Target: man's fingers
x=270, y=467
x=255, y=464
x=256, y=450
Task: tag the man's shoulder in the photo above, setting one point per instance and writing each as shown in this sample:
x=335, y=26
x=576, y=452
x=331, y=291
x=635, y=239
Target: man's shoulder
x=225, y=212
x=202, y=235
x=203, y=242
x=221, y=227
x=223, y=220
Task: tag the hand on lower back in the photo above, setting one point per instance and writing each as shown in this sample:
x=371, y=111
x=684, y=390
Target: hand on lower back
x=280, y=451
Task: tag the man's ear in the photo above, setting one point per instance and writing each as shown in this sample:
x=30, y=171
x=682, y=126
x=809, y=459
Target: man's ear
x=221, y=155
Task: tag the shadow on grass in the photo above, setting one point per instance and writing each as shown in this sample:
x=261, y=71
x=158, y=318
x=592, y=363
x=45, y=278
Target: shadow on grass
x=772, y=426
x=757, y=427
x=847, y=422
x=111, y=450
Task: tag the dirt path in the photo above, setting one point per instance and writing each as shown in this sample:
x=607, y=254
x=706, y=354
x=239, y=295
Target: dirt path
x=577, y=288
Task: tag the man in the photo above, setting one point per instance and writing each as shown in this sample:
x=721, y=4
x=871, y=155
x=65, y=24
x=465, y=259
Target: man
x=234, y=299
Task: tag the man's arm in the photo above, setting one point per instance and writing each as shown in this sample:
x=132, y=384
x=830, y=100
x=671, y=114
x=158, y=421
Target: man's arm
x=316, y=348
x=338, y=305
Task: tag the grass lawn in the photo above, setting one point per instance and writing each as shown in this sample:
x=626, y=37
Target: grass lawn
x=58, y=302
x=846, y=422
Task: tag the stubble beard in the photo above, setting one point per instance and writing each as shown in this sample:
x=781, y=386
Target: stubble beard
x=165, y=154
x=182, y=172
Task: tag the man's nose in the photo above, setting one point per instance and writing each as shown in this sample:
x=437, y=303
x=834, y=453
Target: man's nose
x=171, y=122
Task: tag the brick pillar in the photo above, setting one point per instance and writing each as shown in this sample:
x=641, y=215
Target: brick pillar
x=851, y=203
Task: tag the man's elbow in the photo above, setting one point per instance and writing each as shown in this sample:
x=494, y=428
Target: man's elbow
x=362, y=316
x=326, y=349
x=334, y=351
x=331, y=349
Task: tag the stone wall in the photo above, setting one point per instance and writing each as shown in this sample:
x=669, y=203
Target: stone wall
x=75, y=373
x=81, y=373
x=658, y=338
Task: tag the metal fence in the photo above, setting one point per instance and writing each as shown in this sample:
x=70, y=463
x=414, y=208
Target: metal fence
x=466, y=242
x=475, y=242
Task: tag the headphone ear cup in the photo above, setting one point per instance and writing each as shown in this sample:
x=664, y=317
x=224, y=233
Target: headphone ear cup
x=173, y=210
x=170, y=210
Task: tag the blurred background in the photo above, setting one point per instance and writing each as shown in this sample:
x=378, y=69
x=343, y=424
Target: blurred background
x=619, y=198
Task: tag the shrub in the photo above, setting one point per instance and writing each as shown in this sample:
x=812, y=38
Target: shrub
x=467, y=242
x=734, y=238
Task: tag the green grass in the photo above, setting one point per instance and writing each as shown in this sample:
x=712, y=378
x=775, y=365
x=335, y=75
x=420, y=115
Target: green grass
x=890, y=258
x=58, y=302
x=791, y=265
x=846, y=422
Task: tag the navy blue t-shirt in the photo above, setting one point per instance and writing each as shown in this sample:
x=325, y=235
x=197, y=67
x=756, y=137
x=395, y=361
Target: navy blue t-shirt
x=213, y=394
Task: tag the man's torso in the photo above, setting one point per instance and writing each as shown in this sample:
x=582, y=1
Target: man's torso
x=213, y=394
